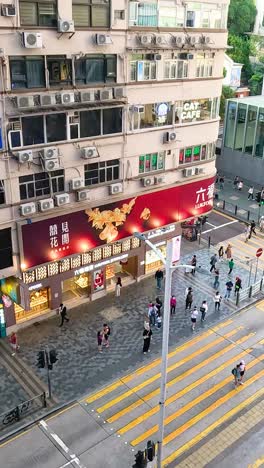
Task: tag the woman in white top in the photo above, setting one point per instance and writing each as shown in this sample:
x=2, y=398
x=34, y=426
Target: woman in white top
x=217, y=300
x=203, y=310
x=118, y=287
x=242, y=368
x=194, y=316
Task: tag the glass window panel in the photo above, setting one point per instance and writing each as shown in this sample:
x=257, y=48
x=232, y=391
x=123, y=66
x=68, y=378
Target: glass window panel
x=56, y=127
x=147, y=163
x=203, y=154
x=196, y=153
x=156, y=115
x=260, y=135
x=90, y=123
x=100, y=15
x=161, y=157
x=240, y=126
x=230, y=124
x=188, y=155
x=133, y=71
x=35, y=73
x=250, y=129
x=147, y=14
x=112, y=120
x=18, y=73
x=81, y=15
x=47, y=14
x=167, y=17
x=154, y=161
x=181, y=156
x=95, y=70
x=28, y=14
x=110, y=68
x=33, y=130
x=141, y=164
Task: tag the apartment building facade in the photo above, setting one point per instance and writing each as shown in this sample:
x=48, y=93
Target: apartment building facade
x=108, y=124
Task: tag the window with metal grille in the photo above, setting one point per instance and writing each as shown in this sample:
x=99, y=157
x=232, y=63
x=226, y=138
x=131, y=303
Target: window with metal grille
x=2, y=193
x=60, y=70
x=95, y=69
x=38, y=13
x=91, y=13
x=27, y=72
x=151, y=162
x=41, y=184
x=105, y=171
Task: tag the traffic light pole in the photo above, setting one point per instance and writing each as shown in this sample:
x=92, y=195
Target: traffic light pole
x=47, y=364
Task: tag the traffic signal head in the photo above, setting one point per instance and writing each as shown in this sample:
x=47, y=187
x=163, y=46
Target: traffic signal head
x=53, y=356
x=150, y=450
x=258, y=197
x=41, y=360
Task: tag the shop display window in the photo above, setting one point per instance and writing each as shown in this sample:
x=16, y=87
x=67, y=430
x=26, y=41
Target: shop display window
x=152, y=261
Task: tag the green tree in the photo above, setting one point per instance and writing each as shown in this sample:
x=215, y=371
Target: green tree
x=256, y=80
x=241, y=16
x=227, y=93
x=242, y=48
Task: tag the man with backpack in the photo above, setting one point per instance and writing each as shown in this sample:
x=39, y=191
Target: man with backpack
x=63, y=314
x=213, y=262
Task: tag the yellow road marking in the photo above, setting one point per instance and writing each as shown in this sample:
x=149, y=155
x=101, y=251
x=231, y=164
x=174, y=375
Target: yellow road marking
x=224, y=215
x=257, y=463
x=61, y=412
x=213, y=426
x=216, y=403
x=250, y=249
x=189, y=406
x=17, y=436
x=175, y=397
x=260, y=305
x=174, y=366
x=148, y=396
x=153, y=364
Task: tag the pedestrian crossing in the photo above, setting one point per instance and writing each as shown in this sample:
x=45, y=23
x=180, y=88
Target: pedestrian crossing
x=201, y=396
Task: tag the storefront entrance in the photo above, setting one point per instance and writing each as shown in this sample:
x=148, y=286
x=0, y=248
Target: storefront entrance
x=127, y=270
x=152, y=261
x=39, y=304
x=78, y=286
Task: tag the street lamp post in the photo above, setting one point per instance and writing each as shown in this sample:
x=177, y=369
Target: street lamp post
x=169, y=268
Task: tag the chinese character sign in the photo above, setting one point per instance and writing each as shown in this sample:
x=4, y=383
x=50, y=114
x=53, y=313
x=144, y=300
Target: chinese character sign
x=59, y=236
x=204, y=196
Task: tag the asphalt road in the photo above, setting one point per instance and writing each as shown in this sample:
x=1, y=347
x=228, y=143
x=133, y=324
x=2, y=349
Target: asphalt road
x=220, y=227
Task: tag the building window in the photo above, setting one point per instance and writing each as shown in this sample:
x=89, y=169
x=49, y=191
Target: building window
x=259, y=149
x=250, y=129
x=56, y=129
x=196, y=153
x=27, y=72
x=204, y=65
x=151, y=115
x=194, y=111
x=142, y=69
x=143, y=14
x=91, y=13
x=171, y=16
x=2, y=193
x=101, y=172
x=6, y=253
x=205, y=15
x=112, y=121
x=38, y=13
x=33, y=130
x=95, y=69
x=240, y=127
x=59, y=70
x=41, y=184
x=230, y=124
x=175, y=69
x=151, y=162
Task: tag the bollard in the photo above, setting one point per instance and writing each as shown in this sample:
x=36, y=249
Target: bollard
x=248, y=215
x=250, y=292
x=224, y=205
x=235, y=209
x=209, y=242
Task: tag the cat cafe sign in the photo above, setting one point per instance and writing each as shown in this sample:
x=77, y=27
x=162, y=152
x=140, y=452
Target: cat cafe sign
x=191, y=110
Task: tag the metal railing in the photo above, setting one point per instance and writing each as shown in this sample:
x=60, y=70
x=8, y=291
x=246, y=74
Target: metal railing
x=248, y=292
x=237, y=211
x=23, y=409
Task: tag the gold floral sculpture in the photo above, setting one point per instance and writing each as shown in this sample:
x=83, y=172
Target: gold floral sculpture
x=109, y=220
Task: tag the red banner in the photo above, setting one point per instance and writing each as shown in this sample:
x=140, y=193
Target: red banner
x=54, y=238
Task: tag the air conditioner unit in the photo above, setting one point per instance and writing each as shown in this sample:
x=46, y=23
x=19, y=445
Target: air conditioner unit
x=138, y=109
x=89, y=152
x=24, y=102
x=160, y=40
x=199, y=170
x=188, y=172
x=32, y=40
x=24, y=156
x=77, y=183
x=147, y=181
x=160, y=180
x=87, y=96
x=62, y=199
x=83, y=195
x=119, y=93
x=115, y=188
x=191, y=40
x=190, y=56
x=46, y=204
x=169, y=137
x=50, y=153
x=157, y=57
x=145, y=39
x=8, y=10
x=103, y=39
x=205, y=40
x=28, y=209
x=179, y=40
x=67, y=98
x=47, y=100
x=51, y=165
x=106, y=94
x=66, y=26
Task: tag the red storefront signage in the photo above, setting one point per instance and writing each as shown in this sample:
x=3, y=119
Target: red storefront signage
x=58, y=237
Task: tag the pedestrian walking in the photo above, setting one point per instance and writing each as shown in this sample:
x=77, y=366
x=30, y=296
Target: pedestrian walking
x=213, y=262
x=240, y=185
x=261, y=224
x=252, y=228
x=147, y=333
x=194, y=316
x=118, y=287
x=231, y=264
x=158, y=306
x=236, y=374
x=216, y=280
x=229, y=287
x=247, y=232
x=106, y=334
x=236, y=180
x=173, y=303
x=221, y=182
x=159, y=277
x=217, y=301
x=63, y=314
x=14, y=343
x=238, y=285
x=221, y=252
x=158, y=321
x=152, y=313
x=203, y=310
x=251, y=193
x=100, y=340
x=194, y=263
x=228, y=251
x=189, y=299
x=242, y=369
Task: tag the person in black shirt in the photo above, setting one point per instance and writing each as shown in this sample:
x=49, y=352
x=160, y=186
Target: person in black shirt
x=147, y=333
x=159, y=277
